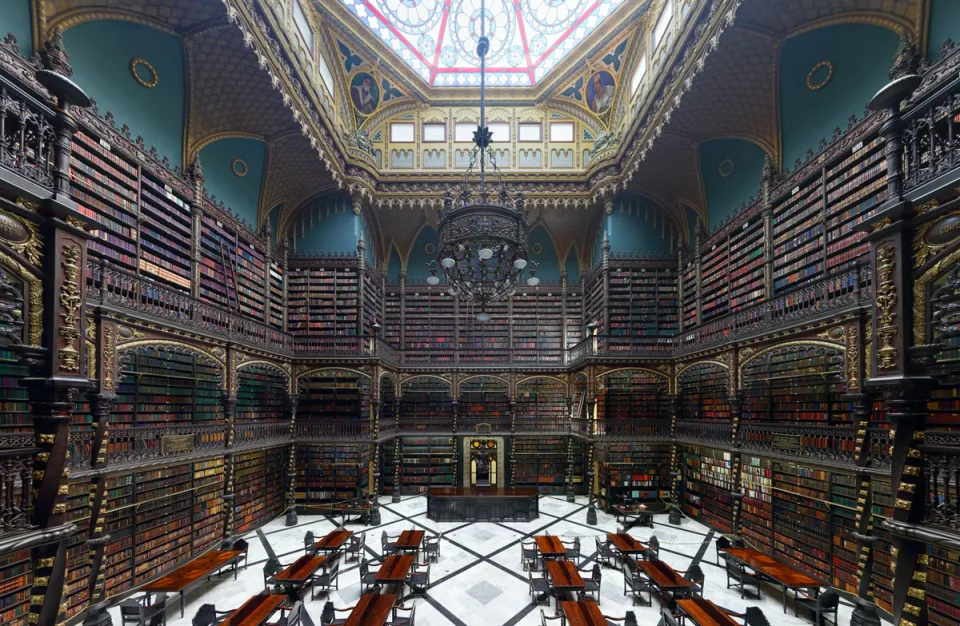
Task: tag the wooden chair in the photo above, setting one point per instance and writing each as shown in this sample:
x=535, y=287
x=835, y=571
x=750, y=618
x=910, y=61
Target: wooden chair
x=544, y=617
x=591, y=584
x=208, y=615
x=419, y=578
x=329, y=578
x=270, y=569
x=753, y=616
x=721, y=543
x=355, y=547
x=431, y=548
x=629, y=619
x=243, y=546
x=573, y=553
x=368, y=579
x=308, y=540
x=737, y=573
x=529, y=554
x=329, y=615
x=654, y=545
x=138, y=613
x=386, y=547
x=636, y=584
x=289, y=617
x=668, y=618
x=540, y=587
x=605, y=552
x=821, y=606
x=403, y=620
x=695, y=575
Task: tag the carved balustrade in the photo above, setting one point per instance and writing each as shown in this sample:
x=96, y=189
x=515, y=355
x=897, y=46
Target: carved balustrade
x=941, y=454
x=16, y=468
x=878, y=444
x=334, y=429
x=658, y=430
x=142, y=443
x=254, y=434
x=26, y=136
x=707, y=431
x=931, y=133
x=80, y=446
x=826, y=443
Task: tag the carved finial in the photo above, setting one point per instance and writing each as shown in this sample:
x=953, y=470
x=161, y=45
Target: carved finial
x=907, y=59
x=608, y=206
x=54, y=55
x=606, y=242
x=196, y=172
x=267, y=228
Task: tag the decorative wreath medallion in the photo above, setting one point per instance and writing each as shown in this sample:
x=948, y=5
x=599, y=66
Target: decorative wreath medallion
x=725, y=168
x=429, y=248
x=536, y=248
x=811, y=84
x=135, y=64
x=239, y=167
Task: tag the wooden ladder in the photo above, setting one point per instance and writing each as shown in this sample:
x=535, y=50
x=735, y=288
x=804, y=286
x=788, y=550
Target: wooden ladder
x=229, y=277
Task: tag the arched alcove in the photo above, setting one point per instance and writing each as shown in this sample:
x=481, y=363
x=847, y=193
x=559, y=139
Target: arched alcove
x=730, y=170
x=233, y=172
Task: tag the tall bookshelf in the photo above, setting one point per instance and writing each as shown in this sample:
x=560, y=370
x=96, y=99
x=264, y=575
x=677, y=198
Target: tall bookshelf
x=689, y=302
x=715, y=281
x=275, y=294
x=484, y=400
x=690, y=486
x=426, y=462
x=76, y=595
x=639, y=471
x=392, y=305
x=881, y=577
x=261, y=395
x=573, y=322
x=328, y=473
x=118, y=552
x=488, y=341
x=14, y=406
x=165, y=228
x=539, y=462
x=541, y=402
x=746, y=262
x=258, y=487
x=712, y=482
x=703, y=392
x=323, y=297
x=431, y=323
x=16, y=578
x=340, y=396
x=425, y=402
x=208, y=511
x=642, y=301
x=629, y=397
x=756, y=514
x=537, y=325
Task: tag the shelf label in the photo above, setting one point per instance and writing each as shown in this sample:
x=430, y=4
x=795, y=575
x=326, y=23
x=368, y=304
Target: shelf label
x=790, y=443
x=167, y=188
x=176, y=443
x=105, y=145
x=795, y=190
x=856, y=147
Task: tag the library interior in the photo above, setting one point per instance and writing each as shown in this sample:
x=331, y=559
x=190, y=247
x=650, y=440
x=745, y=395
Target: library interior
x=479, y=312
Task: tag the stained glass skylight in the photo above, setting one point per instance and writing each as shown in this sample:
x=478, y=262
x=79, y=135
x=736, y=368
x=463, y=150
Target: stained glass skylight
x=438, y=38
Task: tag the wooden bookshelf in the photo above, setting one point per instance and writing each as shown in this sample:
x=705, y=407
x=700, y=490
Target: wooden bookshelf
x=541, y=403
x=261, y=395
x=426, y=462
x=715, y=281
x=331, y=472
x=431, y=323
x=16, y=578
x=642, y=301
x=275, y=294
x=259, y=487
x=539, y=462
x=639, y=471
x=537, y=322
x=798, y=236
x=756, y=513
x=76, y=595
x=484, y=400
x=689, y=301
x=323, y=297
x=333, y=395
x=426, y=404
x=710, y=480
x=630, y=397
x=746, y=265
x=14, y=406
x=703, y=392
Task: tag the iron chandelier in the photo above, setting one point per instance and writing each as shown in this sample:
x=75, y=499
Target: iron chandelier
x=483, y=239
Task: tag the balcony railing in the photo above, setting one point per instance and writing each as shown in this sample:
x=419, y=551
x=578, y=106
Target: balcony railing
x=628, y=428
x=825, y=443
x=941, y=451
x=334, y=429
x=144, y=443
x=483, y=423
x=26, y=136
x=245, y=434
x=541, y=425
x=16, y=474
x=719, y=432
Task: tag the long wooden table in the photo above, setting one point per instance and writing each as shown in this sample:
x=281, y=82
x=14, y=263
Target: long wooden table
x=626, y=544
x=410, y=540
x=564, y=575
x=583, y=613
x=372, y=609
x=666, y=579
x=300, y=571
x=551, y=547
x=705, y=613
x=333, y=541
x=394, y=570
x=255, y=611
x=185, y=576
x=788, y=577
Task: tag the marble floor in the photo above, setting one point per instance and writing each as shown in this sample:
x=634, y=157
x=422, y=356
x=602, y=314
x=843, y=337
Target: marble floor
x=479, y=580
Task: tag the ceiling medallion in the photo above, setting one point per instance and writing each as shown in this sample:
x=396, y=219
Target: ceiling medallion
x=813, y=86
x=725, y=169
x=239, y=167
x=154, y=78
x=483, y=238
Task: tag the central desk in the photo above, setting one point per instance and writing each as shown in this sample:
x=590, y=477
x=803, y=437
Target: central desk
x=491, y=504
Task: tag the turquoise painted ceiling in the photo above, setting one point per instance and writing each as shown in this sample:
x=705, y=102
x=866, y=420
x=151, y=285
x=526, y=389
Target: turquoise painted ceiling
x=437, y=38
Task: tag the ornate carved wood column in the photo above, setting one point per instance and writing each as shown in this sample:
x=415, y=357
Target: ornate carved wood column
x=195, y=175
x=229, y=402
x=766, y=184
x=361, y=273
x=697, y=245
x=291, y=519
x=605, y=276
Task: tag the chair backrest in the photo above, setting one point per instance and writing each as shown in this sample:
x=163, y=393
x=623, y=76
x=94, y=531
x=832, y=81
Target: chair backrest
x=241, y=544
x=654, y=543
x=293, y=617
x=829, y=599
x=364, y=568
x=627, y=572
x=130, y=608
x=327, y=615
x=206, y=615
x=668, y=618
x=753, y=616
x=694, y=574
x=576, y=544
x=271, y=567
x=733, y=568
x=309, y=539
x=596, y=572
x=722, y=542
x=333, y=566
x=630, y=619
x=383, y=538
x=649, y=554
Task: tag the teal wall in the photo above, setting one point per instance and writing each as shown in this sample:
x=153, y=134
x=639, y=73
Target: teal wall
x=634, y=226
x=572, y=266
x=861, y=55
x=693, y=221
x=100, y=54
x=726, y=194
x=15, y=18
x=394, y=265
x=944, y=23
x=240, y=193
x=548, y=269
x=274, y=216
x=328, y=225
x=417, y=260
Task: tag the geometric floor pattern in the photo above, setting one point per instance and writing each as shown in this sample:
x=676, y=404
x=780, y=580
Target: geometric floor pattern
x=479, y=580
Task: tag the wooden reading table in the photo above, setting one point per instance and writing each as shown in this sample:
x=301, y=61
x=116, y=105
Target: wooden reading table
x=786, y=576
x=626, y=544
x=564, y=575
x=583, y=613
x=185, y=576
x=373, y=609
x=394, y=570
x=333, y=541
x=255, y=611
x=666, y=579
x=300, y=571
x=551, y=547
x=705, y=613
x=410, y=540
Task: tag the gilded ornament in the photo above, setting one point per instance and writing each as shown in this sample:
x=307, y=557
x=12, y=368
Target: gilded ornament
x=75, y=222
x=154, y=77
x=109, y=354
x=70, y=303
x=880, y=225
x=239, y=167
x=22, y=236
x=926, y=207
x=886, y=299
x=726, y=168
x=812, y=83
x=853, y=359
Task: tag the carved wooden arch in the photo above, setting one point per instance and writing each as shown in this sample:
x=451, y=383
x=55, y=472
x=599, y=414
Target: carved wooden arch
x=123, y=352
x=267, y=364
x=800, y=343
x=500, y=378
x=395, y=380
x=431, y=376
x=31, y=289
x=689, y=366
x=606, y=373
x=556, y=379
x=68, y=19
x=315, y=370
x=873, y=18
x=206, y=140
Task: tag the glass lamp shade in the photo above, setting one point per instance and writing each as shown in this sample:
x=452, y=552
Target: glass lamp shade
x=433, y=280
x=533, y=281
x=485, y=253
x=448, y=262
x=520, y=264
x=483, y=316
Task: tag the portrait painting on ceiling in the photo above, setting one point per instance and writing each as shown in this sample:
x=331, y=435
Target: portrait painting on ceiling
x=364, y=93
x=601, y=88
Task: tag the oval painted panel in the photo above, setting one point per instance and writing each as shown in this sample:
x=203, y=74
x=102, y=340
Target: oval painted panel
x=944, y=231
x=12, y=229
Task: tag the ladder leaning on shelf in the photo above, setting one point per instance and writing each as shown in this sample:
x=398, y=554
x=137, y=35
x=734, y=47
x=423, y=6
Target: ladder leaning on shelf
x=229, y=277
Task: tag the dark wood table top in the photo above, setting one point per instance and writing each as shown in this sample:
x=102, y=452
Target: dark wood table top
x=705, y=613
x=334, y=539
x=189, y=573
x=372, y=609
x=550, y=545
x=564, y=575
x=664, y=576
x=483, y=492
x=394, y=568
x=784, y=574
x=626, y=543
x=583, y=613
x=255, y=611
x=410, y=539
x=301, y=569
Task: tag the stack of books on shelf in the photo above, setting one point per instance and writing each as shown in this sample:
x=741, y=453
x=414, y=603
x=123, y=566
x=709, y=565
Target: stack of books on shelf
x=331, y=472
x=423, y=401
x=259, y=487
x=542, y=401
x=632, y=470
x=539, y=463
x=703, y=392
x=426, y=462
x=756, y=513
x=715, y=281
